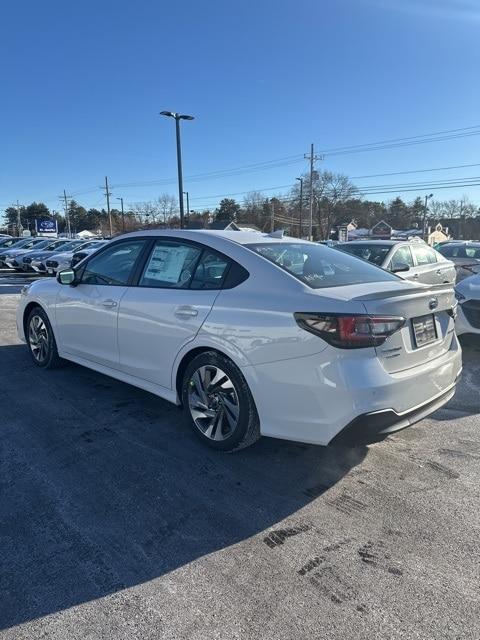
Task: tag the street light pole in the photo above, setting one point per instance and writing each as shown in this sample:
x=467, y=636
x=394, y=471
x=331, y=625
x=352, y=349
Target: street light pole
x=188, y=206
x=425, y=209
x=177, y=117
x=301, y=206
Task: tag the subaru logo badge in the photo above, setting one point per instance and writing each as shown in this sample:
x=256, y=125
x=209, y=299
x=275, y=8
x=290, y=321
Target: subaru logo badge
x=433, y=304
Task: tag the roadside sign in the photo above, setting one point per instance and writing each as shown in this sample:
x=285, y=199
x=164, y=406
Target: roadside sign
x=46, y=227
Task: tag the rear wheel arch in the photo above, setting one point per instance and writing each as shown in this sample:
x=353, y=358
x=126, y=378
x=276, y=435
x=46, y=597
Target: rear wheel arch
x=185, y=361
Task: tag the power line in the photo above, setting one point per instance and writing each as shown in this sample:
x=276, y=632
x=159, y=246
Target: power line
x=449, y=134
x=400, y=173
x=390, y=188
x=392, y=143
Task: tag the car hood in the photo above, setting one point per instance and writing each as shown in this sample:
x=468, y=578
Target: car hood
x=11, y=252
x=62, y=256
x=14, y=253
x=39, y=255
x=470, y=287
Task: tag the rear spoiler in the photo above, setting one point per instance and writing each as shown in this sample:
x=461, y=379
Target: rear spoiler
x=425, y=290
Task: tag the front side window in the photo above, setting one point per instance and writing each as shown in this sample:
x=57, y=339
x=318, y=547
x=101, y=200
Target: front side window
x=113, y=266
x=424, y=255
x=401, y=257
x=318, y=266
x=170, y=265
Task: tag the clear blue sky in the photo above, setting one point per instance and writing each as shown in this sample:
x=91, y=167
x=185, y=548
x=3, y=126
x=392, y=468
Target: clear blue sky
x=82, y=84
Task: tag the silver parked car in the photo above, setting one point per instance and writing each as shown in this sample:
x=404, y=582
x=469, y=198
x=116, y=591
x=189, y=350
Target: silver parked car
x=59, y=261
x=38, y=261
x=412, y=259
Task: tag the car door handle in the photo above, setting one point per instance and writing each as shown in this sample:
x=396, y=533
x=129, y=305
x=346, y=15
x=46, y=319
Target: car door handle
x=439, y=272
x=109, y=304
x=415, y=276
x=186, y=312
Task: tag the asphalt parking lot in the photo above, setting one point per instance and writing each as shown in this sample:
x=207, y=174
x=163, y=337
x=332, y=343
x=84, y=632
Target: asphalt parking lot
x=116, y=523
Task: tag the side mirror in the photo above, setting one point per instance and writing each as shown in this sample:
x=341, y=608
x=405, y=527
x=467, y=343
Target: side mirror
x=67, y=276
x=401, y=266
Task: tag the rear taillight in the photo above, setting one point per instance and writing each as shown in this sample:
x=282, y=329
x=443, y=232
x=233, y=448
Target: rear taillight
x=350, y=332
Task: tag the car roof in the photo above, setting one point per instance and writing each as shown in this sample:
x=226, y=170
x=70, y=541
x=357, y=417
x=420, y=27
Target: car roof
x=389, y=243
x=468, y=243
x=239, y=237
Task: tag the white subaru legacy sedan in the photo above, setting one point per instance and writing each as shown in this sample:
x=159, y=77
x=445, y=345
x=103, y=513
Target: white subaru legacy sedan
x=252, y=334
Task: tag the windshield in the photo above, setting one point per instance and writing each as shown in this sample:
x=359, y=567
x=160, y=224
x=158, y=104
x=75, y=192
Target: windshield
x=375, y=253
x=89, y=245
x=41, y=245
x=319, y=266
x=9, y=242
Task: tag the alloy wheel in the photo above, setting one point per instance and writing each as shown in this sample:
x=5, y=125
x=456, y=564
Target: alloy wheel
x=213, y=402
x=38, y=338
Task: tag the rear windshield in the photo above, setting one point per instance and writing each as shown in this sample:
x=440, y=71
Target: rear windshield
x=375, y=253
x=319, y=266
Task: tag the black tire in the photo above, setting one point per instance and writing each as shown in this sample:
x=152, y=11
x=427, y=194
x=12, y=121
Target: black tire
x=43, y=350
x=246, y=429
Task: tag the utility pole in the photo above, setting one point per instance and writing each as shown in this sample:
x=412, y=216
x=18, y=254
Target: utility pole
x=425, y=210
x=272, y=223
x=301, y=207
x=123, y=215
x=64, y=198
x=312, y=157
x=108, y=194
x=19, y=220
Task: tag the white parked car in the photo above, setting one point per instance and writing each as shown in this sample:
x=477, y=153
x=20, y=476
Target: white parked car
x=468, y=295
x=252, y=334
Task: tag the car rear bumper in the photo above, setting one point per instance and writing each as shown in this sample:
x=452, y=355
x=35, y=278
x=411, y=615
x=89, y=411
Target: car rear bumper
x=377, y=425
x=314, y=398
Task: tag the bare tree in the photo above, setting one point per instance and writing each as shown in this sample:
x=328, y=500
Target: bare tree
x=330, y=190
x=253, y=209
x=146, y=212
x=167, y=206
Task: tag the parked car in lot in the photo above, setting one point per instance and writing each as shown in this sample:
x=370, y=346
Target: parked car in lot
x=468, y=295
x=8, y=257
x=63, y=260
x=83, y=253
x=15, y=258
x=318, y=348
x=37, y=260
x=410, y=259
x=464, y=255
x=6, y=243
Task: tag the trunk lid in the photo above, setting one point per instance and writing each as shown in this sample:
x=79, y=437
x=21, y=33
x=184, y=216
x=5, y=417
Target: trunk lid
x=428, y=312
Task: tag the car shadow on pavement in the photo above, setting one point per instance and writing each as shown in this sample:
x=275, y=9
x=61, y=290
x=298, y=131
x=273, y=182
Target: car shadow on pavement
x=104, y=486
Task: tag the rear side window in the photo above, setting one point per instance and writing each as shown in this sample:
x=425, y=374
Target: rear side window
x=424, y=255
x=318, y=266
x=402, y=256
x=210, y=271
x=472, y=252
